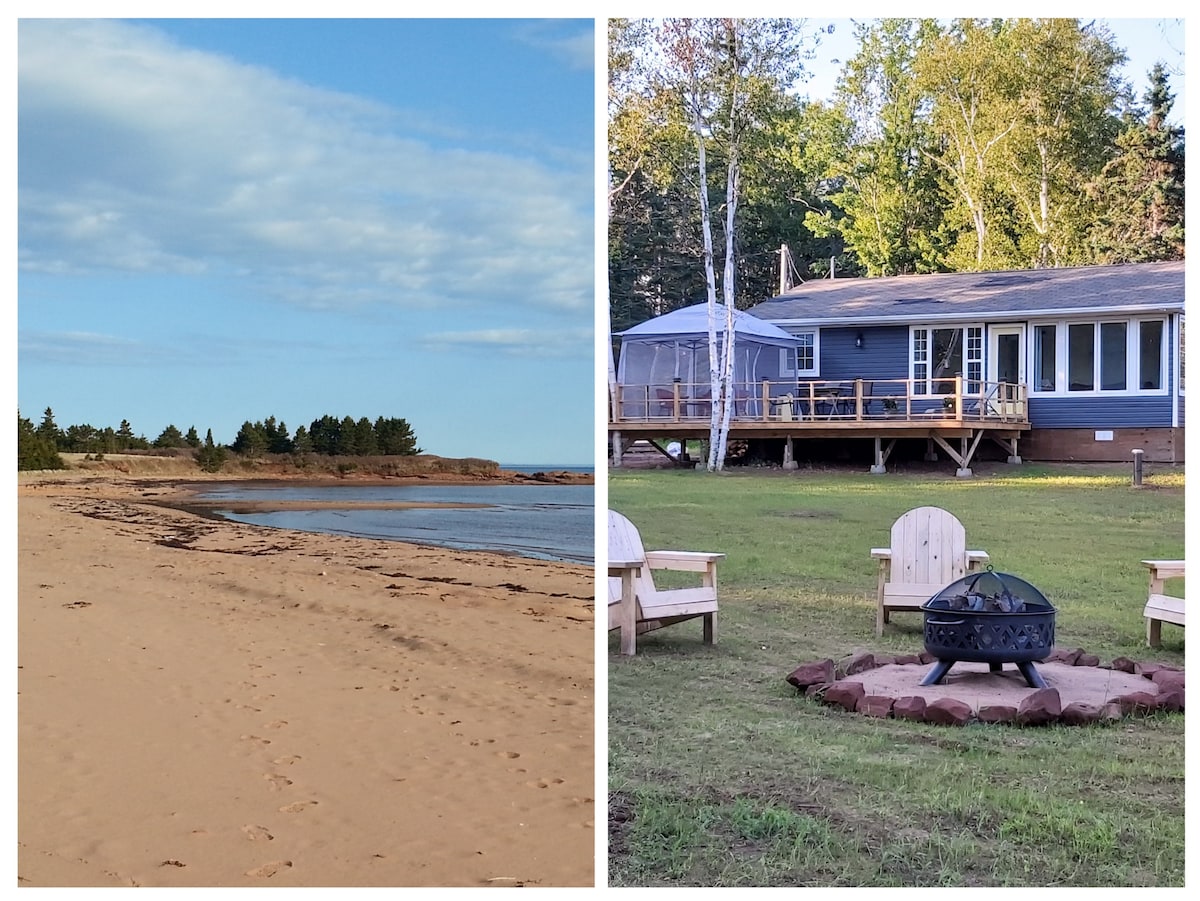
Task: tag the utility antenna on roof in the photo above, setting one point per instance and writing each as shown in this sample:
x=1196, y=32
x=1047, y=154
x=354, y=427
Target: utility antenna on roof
x=786, y=269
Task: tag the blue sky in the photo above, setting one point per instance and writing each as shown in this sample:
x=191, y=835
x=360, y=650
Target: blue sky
x=224, y=220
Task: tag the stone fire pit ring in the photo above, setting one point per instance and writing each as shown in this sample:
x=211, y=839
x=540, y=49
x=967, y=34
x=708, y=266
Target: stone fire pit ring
x=1079, y=690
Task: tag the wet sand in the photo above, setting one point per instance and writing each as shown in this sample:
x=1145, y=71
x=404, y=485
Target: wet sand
x=207, y=703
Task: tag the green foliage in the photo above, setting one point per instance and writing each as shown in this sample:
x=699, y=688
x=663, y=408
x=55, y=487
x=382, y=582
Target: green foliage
x=192, y=439
x=1140, y=191
x=35, y=450
x=171, y=437
x=210, y=457
x=970, y=145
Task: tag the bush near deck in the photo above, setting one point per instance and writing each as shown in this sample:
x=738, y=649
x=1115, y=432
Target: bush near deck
x=720, y=774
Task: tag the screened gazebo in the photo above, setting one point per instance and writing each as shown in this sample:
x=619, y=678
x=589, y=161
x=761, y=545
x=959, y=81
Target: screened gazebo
x=668, y=355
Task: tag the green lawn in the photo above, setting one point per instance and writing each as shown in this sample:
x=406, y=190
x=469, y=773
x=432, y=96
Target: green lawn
x=720, y=774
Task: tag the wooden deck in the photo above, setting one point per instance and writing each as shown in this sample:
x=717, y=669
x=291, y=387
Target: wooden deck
x=883, y=410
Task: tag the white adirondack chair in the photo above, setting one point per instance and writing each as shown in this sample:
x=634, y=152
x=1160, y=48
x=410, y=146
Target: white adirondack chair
x=1160, y=606
x=928, y=552
x=641, y=607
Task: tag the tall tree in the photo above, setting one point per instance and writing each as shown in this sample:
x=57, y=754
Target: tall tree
x=970, y=75
x=882, y=152
x=1140, y=191
x=1068, y=84
x=727, y=74
x=170, y=437
x=35, y=450
x=210, y=457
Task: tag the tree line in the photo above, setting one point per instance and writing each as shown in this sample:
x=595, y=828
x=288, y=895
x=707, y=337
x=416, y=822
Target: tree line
x=978, y=144
x=40, y=446
x=329, y=435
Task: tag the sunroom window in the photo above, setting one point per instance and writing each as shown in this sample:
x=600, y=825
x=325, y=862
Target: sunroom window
x=1125, y=356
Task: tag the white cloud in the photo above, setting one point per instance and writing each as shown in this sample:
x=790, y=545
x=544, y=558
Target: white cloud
x=140, y=155
x=563, y=40
x=515, y=341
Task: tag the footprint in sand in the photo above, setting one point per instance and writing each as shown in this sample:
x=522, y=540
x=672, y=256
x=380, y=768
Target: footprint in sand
x=545, y=783
x=286, y=759
x=276, y=724
x=256, y=738
x=511, y=755
x=257, y=833
x=277, y=781
x=268, y=870
x=297, y=806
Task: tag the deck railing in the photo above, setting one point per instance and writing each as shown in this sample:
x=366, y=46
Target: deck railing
x=844, y=400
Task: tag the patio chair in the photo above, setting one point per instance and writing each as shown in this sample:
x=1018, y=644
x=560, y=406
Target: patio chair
x=647, y=608
x=1160, y=606
x=927, y=553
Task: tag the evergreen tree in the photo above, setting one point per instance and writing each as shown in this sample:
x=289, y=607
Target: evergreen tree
x=34, y=450
x=301, y=443
x=364, y=438
x=346, y=445
x=191, y=438
x=210, y=457
x=125, y=436
x=49, y=430
x=170, y=437
x=1140, y=191
x=251, y=440
x=395, y=437
x=278, y=441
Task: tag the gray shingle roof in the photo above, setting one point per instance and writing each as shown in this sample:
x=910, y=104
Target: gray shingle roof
x=1025, y=293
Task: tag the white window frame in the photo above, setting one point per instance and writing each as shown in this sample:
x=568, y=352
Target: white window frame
x=786, y=355
x=972, y=362
x=1133, y=367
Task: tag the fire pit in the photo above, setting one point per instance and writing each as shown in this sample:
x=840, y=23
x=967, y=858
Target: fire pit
x=989, y=617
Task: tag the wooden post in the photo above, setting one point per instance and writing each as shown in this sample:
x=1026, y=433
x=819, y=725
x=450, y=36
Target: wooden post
x=616, y=450
x=1138, y=453
x=766, y=399
x=675, y=389
x=858, y=399
x=878, y=468
x=789, y=459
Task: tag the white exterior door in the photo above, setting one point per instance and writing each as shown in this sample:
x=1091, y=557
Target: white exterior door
x=1006, y=363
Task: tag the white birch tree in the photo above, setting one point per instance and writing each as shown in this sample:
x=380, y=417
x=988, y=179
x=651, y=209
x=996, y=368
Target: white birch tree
x=723, y=70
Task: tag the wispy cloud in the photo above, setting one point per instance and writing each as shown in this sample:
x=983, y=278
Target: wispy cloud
x=88, y=349
x=562, y=40
x=515, y=341
x=137, y=154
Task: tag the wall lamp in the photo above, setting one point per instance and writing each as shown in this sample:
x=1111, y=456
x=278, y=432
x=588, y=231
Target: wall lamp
x=859, y=342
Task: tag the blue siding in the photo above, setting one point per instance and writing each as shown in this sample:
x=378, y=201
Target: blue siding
x=1099, y=412
x=883, y=356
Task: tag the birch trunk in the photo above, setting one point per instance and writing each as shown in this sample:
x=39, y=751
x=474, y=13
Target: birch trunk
x=728, y=285
x=714, y=375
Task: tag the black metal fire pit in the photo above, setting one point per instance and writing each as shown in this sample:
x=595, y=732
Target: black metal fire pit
x=989, y=617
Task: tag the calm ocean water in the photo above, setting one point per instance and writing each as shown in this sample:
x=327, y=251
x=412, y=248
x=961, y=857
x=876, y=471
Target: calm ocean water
x=545, y=522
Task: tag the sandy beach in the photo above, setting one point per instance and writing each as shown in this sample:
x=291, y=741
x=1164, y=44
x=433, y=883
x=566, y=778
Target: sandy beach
x=206, y=703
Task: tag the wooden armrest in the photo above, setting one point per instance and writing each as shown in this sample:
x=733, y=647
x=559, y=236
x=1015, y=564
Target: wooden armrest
x=881, y=553
x=691, y=561
x=977, y=557
x=1165, y=569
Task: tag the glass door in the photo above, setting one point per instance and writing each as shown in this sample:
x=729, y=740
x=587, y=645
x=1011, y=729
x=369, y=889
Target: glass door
x=1006, y=370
